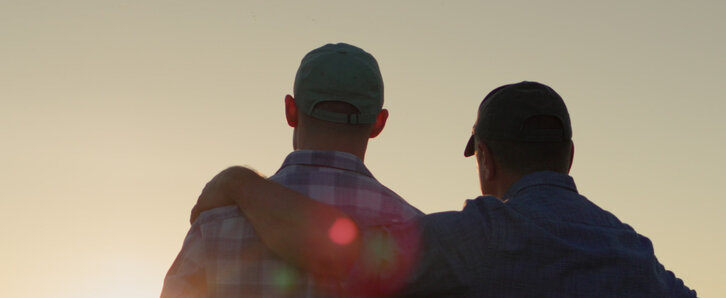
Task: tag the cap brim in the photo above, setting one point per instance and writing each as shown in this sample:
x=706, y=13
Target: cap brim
x=469, y=150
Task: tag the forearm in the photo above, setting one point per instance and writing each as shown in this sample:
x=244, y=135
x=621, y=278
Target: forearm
x=309, y=234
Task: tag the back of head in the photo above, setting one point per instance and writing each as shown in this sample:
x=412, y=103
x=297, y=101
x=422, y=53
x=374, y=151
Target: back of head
x=339, y=73
x=339, y=93
x=334, y=131
x=526, y=127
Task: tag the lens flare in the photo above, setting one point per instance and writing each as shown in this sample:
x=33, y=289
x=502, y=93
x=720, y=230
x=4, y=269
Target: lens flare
x=343, y=231
x=286, y=279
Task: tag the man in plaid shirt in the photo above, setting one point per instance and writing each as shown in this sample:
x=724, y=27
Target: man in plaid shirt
x=337, y=108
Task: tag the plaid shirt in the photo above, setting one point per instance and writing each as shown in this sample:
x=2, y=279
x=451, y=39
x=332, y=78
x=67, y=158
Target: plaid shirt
x=223, y=257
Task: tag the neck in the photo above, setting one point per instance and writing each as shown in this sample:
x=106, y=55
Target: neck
x=501, y=185
x=353, y=146
x=360, y=153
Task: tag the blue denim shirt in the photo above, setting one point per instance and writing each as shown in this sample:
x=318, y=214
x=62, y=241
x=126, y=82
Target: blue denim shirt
x=545, y=241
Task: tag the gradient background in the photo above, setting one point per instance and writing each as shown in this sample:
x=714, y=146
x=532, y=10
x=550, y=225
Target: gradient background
x=114, y=114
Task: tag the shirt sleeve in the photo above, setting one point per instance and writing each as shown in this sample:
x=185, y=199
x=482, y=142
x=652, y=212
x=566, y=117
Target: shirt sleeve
x=436, y=272
x=406, y=260
x=223, y=257
x=186, y=277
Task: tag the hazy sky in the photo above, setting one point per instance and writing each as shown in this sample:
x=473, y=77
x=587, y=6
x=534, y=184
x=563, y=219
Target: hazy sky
x=114, y=114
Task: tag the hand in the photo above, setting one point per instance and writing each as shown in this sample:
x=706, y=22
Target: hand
x=221, y=190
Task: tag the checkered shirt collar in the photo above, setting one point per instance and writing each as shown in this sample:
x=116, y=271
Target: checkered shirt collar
x=330, y=159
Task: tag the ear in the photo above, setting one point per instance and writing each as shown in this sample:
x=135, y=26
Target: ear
x=572, y=157
x=290, y=111
x=380, y=123
x=486, y=162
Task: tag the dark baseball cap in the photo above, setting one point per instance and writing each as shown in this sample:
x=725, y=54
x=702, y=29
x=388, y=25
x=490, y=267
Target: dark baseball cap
x=505, y=110
x=339, y=72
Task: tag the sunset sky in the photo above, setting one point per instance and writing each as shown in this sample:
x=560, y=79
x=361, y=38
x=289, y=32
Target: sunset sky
x=114, y=114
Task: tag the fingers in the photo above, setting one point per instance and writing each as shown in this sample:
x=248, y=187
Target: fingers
x=220, y=190
x=196, y=209
x=194, y=215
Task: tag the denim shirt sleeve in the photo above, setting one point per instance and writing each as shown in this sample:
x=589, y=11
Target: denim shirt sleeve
x=387, y=259
x=432, y=255
x=438, y=267
x=402, y=260
x=428, y=256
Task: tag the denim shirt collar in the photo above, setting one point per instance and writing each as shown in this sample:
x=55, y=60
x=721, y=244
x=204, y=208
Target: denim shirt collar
x=328, y=159
x=548, y=178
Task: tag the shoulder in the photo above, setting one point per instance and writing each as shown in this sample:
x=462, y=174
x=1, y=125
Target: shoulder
x=451, y=244
x=475, y=223
x=357, y=193
x=462, y=234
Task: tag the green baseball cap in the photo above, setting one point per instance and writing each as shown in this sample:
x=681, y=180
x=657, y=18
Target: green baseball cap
x=339, y=72
x=505, y=110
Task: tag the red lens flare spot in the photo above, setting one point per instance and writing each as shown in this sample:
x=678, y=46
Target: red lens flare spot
x=343, y=231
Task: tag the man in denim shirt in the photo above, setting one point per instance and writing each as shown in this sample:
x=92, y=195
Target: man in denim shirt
x=531, y=234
